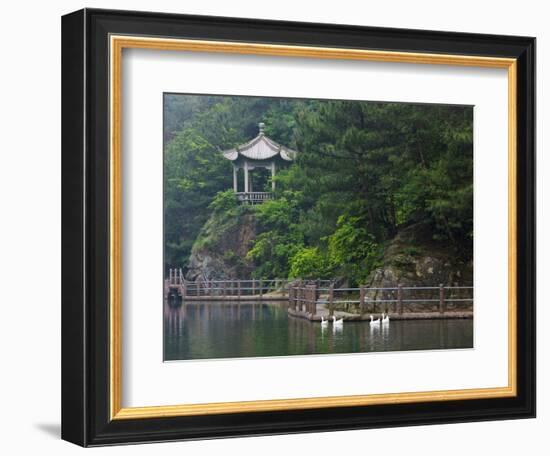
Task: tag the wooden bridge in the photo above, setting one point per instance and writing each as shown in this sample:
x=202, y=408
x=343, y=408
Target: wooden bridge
x=313, y=299
x=224, y=290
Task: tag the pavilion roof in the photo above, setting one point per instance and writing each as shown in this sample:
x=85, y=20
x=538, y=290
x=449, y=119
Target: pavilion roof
x=260, y=148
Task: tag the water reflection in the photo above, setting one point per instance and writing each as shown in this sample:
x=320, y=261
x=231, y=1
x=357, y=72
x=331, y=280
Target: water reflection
x=228, y=330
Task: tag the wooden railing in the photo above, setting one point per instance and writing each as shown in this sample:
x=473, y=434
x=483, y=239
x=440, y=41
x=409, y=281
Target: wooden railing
x=305, y=295
x=175, y=277
x=233, y=288
x=253, y=197
x=223, y=289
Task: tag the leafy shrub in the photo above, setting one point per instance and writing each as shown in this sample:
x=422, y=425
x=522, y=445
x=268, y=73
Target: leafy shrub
x=308, y=263
x=352, y=250
x=224, y=201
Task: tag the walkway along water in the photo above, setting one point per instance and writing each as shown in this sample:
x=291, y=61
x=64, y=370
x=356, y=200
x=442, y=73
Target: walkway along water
x=317, y=299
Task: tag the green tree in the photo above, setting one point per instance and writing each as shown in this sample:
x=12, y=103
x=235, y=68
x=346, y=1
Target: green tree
x=364, y=171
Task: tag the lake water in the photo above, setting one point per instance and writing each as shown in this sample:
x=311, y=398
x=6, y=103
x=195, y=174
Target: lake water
x=231, y=330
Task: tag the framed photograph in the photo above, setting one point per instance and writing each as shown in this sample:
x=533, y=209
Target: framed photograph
x=275, y=227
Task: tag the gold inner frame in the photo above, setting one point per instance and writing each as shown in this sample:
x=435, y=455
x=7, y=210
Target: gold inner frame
x=117, y=44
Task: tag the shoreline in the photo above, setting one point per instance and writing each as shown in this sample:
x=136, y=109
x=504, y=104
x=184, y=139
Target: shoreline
x=348, y=317
x=322, y=311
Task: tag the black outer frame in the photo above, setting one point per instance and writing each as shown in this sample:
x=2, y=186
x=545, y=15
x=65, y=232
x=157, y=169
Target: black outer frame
x=85, y=227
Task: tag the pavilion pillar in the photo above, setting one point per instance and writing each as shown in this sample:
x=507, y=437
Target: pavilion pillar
x=235, y=179
x=246, y=188
x=273, y=176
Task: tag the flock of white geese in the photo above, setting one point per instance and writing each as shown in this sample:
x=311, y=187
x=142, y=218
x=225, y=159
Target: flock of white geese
x=339, y=323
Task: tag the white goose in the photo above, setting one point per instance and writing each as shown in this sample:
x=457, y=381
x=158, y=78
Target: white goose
x=336, y=322
x=374, y=322
x=385, y=318
x=324, y=323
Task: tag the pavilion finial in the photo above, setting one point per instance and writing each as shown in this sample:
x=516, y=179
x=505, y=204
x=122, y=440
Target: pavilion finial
x=261, y=126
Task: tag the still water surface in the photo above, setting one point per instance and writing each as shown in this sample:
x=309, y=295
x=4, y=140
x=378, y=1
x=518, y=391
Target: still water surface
x=232, y=330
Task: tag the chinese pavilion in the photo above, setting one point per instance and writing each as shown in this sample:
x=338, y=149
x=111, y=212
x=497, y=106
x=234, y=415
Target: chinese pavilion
x=260, y=152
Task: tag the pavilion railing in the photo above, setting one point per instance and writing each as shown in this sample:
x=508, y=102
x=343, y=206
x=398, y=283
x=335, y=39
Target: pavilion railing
x=254, y=197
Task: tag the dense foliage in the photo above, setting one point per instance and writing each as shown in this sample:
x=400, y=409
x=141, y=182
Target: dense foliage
x=364, y=170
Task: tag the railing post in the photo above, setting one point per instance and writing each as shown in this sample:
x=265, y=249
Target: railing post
x=253, y=287
x=239, y=288
x=184, y=288
x=170, y=276
x=198, y=287
x=400, y=299
x=290, y=297
x=362, y=300
x=314, y=302
x=303, y=298
x=261, y=289
x=441, y=299
x=331, y=300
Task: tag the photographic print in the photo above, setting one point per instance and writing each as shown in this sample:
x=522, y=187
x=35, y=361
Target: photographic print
x=247, y=202
x=307, y=226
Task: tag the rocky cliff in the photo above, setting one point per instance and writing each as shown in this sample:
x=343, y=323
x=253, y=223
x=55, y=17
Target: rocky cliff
x=413, y=258
x=220, y=250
